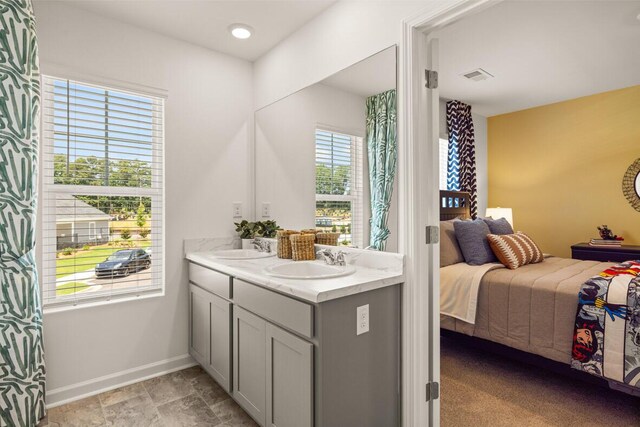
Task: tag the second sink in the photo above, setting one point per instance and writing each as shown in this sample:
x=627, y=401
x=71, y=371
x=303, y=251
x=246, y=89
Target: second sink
x=308, y=270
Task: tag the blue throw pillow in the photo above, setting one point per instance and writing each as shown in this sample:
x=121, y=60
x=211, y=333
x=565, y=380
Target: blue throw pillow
x=472, y=238
x=499, y=226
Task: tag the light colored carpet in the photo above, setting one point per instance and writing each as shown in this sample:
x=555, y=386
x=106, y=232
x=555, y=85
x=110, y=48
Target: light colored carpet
x=483, y=389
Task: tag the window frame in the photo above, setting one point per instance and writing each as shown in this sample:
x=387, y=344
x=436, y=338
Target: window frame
x=357, y=198
x=48, y=190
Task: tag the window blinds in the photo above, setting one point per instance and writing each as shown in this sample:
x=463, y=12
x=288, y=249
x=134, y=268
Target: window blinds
x=339, y=185
x=102, y=193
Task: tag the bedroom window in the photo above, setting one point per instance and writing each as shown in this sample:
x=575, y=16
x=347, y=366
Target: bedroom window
x=444, y=155
x=102, y=194
x=339, y=188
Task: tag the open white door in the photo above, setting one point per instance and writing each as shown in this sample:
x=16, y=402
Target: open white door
x=421, y=299
x=431, y=208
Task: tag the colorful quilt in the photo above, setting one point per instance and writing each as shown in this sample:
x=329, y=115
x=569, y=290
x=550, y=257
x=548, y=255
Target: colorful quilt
x=606, y=338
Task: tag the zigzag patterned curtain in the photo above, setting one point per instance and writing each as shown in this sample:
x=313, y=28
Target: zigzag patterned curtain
x=383, y=153
x=461, y=162
x=22, y=371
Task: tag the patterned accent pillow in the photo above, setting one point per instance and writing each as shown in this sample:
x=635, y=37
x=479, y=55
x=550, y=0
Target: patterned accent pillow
x=515, y=250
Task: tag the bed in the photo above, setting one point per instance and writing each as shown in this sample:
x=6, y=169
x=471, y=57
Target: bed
x=531, y=309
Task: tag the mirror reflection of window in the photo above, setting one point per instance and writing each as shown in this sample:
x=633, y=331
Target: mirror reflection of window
x=339, y=185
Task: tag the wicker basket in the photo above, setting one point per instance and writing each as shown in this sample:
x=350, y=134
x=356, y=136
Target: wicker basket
x=302, y=247
x=309, y=231
x=330, y=239
x=284, y=243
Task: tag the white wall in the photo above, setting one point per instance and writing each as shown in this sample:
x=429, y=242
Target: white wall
x=344, y=34
x=209, y=129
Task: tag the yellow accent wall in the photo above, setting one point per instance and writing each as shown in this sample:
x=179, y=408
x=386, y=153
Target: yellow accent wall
x=560, y=168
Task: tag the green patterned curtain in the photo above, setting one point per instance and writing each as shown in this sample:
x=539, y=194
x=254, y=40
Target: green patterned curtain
x=22, y=371
x=383, y=152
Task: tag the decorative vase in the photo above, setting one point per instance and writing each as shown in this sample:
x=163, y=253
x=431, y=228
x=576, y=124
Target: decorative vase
x=246, y=244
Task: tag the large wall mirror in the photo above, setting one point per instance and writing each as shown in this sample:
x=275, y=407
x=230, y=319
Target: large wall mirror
x=312, y=153
x=631, y=185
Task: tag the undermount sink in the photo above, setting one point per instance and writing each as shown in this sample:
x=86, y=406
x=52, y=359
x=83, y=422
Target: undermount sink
x=308, y=270
x=240, y=254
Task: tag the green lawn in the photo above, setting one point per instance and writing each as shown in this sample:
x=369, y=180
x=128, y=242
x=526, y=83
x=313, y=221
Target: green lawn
x=71, y=288
x=86, y=260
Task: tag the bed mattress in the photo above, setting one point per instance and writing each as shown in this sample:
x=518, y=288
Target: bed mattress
x=532, y=308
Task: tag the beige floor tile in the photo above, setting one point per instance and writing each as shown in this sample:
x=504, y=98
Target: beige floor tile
x=189, y=411
x=208, y=389
x=121, y=394
x=138, y=411
x=82, y=413
x=231, y=414
x=192, y=372
x=168, y=387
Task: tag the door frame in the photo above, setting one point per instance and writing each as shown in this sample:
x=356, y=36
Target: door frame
x=418, y=196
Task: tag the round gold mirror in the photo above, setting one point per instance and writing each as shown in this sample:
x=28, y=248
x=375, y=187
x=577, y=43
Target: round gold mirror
x=631, y=185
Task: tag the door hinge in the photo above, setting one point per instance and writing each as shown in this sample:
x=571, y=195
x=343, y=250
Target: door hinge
x=431, y=79
x=433, y=234
x=433, y=391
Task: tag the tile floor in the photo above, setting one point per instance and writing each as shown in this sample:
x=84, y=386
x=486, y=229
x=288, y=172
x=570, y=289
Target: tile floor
x=184, y=398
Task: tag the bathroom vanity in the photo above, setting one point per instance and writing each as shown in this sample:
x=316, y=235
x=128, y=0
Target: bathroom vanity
x=301, y=352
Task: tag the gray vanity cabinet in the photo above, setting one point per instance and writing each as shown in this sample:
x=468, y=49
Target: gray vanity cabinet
x=289, y=379
x=210, y=337
x=200, y=324
x=249, y=363
x=290, y=363
x=220, y=366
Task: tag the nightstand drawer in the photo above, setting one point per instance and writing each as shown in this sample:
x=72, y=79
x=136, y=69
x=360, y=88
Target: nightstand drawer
x=595, y=253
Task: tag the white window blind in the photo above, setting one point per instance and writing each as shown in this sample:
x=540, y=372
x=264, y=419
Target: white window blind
x=339, y=188
x=444, y=156
x=102, y=195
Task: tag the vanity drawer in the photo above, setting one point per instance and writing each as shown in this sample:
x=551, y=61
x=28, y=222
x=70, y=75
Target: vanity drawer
x=210, y=280
x=288, y=312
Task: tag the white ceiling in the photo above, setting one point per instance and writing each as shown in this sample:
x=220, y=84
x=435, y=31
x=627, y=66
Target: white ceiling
x=371, y=76
x=540, y=52
x=205, y=23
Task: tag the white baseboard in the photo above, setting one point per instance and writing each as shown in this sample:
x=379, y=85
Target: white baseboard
x=61, y=395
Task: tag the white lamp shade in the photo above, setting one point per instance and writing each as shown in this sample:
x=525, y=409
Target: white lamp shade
x=506, y=213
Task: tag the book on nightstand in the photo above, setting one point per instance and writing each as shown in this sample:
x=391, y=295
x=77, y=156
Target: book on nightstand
x=605, y=243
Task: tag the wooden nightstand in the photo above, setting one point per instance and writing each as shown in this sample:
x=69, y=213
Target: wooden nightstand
x=605, y=254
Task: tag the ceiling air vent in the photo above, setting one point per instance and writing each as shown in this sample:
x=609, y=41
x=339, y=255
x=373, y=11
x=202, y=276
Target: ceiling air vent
x=477, y=75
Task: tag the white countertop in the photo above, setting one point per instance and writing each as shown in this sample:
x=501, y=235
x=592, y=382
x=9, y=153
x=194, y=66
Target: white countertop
x=374, y=270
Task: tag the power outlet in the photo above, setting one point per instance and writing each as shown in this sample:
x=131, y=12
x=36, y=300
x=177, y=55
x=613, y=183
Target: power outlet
x=266, y=210
x=362, y=314
x=237, y=209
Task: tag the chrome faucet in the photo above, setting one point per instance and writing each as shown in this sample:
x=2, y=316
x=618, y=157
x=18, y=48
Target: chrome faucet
x=333, y=259
x=261, y=245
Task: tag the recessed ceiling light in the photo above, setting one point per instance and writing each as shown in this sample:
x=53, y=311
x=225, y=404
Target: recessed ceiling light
x=240, y=31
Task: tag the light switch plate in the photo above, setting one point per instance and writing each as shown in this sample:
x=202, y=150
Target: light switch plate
x=362, y=314
x=266, y=209
x=237, y=209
